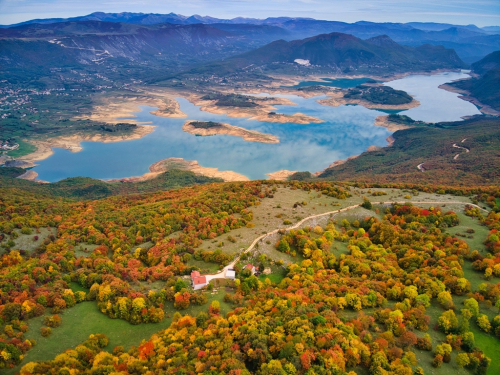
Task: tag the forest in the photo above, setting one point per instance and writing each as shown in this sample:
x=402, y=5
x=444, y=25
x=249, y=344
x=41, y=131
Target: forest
x=397, y=289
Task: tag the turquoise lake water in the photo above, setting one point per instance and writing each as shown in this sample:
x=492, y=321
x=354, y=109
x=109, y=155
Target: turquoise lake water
x=342, y=83
x=347, y=131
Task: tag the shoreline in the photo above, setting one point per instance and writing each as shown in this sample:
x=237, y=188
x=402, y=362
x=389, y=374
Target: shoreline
x=465, y=95
x=384, y=122
x=165, y=165
x=227, y=129
x=260, y=113
x=384, y=78
x=114, y=109
x=73, y=142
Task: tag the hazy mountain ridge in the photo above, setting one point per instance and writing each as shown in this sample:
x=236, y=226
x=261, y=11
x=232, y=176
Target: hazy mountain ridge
x=486, y=86
x=469, y=41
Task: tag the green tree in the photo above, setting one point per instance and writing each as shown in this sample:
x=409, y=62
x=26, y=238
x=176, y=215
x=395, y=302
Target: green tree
x=462, y=359
x=472, y=305
x=483, y=322
x=179, y=285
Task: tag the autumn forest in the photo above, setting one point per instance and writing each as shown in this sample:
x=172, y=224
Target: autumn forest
x=384, y=283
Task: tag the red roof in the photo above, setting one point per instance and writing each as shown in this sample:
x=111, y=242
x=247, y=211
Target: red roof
x=199, y=280
x=249, y=267
x=195, y=274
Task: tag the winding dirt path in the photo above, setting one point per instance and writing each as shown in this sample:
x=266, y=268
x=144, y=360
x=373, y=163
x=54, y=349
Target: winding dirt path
x=457, y=146
x=222, y=274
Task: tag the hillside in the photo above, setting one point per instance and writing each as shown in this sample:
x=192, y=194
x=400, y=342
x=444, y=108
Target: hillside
x=83, y=188
x=485, y=87
x=432, y=149
x=336, y=53
x=95, y=43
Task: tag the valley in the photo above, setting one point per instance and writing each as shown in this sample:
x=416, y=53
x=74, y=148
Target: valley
x=187, y=195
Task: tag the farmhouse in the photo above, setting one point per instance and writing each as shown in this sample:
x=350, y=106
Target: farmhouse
x=198, y=281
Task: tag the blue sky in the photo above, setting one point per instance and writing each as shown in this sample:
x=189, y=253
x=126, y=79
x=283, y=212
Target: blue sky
x=462, y=12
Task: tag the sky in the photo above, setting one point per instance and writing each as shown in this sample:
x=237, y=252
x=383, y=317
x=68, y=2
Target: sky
x=460, y=12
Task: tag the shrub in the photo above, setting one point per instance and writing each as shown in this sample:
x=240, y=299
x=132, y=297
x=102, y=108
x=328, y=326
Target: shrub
x=52, y=321
x=45, y=331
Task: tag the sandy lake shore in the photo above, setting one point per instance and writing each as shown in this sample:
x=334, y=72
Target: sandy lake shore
x=247, y=135
x=187, y=165
x=391, y=126
x=116, y=109
x=280, y=175
x=265, y=110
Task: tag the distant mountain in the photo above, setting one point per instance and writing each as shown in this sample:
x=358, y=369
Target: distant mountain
x=433, y=26
x=342, y=53
x=492, y=29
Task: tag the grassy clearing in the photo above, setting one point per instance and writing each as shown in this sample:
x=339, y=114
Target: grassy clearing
x=84, y=250
x=27, y=241
x=277, y=274
x=205, y=267
x=25, y=148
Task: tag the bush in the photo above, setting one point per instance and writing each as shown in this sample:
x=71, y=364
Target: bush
x=45, y=331
x=26, y=230
x=438, y=361
x=52, y=321
x=366, y=204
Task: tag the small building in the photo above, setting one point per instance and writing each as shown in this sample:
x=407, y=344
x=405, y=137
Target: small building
x=199, y=282
x=230, y=274
x=195, y=274
x=267, y=271
x=251, y=268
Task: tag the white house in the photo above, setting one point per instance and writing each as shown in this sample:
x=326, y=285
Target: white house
x=230, y=274
x=199, y=282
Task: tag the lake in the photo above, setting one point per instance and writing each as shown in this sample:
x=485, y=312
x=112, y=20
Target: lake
x=347, y=131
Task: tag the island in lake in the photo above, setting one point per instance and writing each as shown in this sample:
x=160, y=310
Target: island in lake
x=205, y=128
